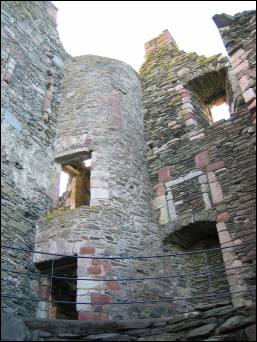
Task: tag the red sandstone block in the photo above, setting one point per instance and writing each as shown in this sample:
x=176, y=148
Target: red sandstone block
x=96, y=262
x=87, y=250
x=100, y=299
x=182, y=90
x=93, y=316
x=7, y=77
x=159, y=185
x=88, y=141
x=46, y=105
x=115, y=102
x=222, y=217
x=252, y=106
x=107, y=266
x=49, y=95
x=165, y=173
x=113, y=285
x=184, y=93
x=52, y=12
x=94, y=270
x=202, y=160
x=4, y=84
x=189, y=116
x=84, y=237
x=244, y=65
x=160, y=191
x=179, y=88
x=249, y=96
x=254, y=118
x=216, y=166
x=43, y=292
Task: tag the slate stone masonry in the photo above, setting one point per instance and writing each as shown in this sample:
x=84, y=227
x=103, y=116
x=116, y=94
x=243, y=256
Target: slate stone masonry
x=101, y=112
x=161, y=172
x=32, y=60
x=220, y=323
x=200, y=170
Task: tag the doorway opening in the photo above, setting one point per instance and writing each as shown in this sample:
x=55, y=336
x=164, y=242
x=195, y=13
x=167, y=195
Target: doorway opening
x=61, y=289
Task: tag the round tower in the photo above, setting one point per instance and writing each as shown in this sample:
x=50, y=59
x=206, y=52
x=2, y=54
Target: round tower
x=107, y=208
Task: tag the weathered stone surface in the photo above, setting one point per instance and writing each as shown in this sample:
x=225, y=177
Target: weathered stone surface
x=29, y=42
x=216, y=192
x=241, y=46
x=191, y=326
x=220, y=150
x=201, y=331
x=120, y=216
x=100, y=114
x=251, y=332
x=159, y=202
x=237, y=321
x=13, y=329
x=249, y=95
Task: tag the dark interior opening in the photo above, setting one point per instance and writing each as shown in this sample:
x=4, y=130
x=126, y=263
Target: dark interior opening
x=205, y=269
x=61, y=289
x=201, y=232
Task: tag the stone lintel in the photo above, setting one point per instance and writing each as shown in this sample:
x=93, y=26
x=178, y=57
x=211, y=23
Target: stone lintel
x=75, y=154
x=182, y=179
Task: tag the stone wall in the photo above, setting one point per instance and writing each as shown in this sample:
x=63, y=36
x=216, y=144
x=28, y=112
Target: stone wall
x=32, y=68
x=239, y=37
x=201, y=171
x=204, y=273
x=101, y=114
x=205, y=324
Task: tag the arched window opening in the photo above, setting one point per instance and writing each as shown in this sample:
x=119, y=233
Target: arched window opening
x=209, y=91
x=202, y=265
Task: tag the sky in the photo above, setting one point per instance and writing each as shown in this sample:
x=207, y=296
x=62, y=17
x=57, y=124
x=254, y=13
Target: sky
x=119, y=29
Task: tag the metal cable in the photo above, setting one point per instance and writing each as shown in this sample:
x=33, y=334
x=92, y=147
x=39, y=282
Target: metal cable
x=210, y=297
x=220, y=270
x=131, y=257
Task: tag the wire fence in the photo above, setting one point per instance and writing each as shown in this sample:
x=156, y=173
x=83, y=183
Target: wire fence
x=213, y=278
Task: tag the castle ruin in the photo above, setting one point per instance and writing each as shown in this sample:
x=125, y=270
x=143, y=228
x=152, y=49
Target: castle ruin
x=157, y=222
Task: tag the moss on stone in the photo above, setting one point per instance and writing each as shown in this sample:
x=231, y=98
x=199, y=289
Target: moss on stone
x=52, y=214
